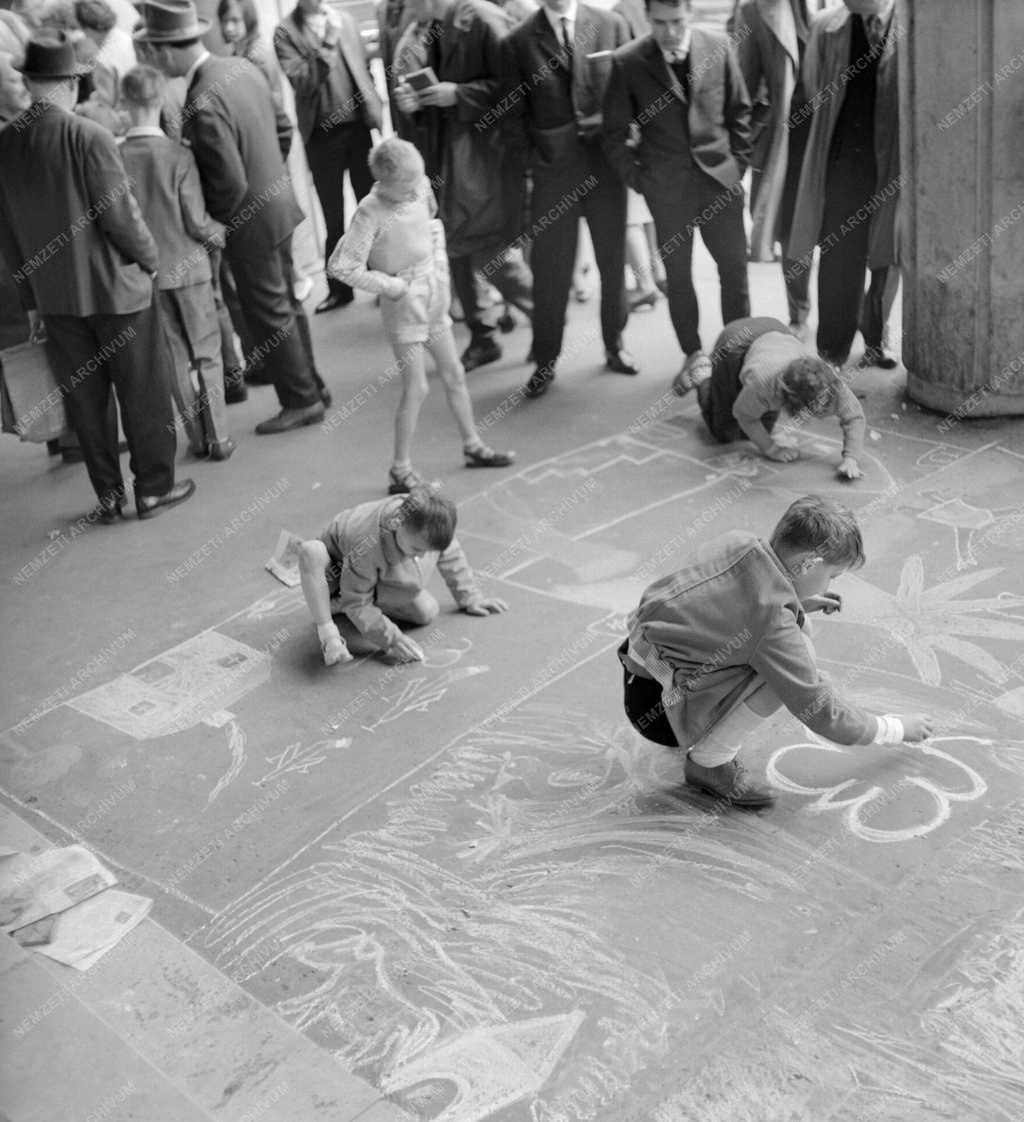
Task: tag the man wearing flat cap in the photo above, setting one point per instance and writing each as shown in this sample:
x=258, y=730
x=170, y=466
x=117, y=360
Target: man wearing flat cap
x=84, y=263
x=229, y=120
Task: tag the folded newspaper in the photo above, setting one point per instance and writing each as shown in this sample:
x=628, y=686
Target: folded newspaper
x=82, y=935
x=36, y=885
x=284, y=564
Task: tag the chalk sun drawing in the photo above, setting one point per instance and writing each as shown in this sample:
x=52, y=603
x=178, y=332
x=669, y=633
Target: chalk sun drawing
x=929, y=620
x=855, y=807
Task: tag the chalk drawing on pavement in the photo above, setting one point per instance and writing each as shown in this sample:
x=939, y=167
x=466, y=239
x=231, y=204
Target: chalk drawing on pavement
x=487, y=1068
x=861, y=805
x=300, y=758
x=433, y=925
x=178, y=689
x=927, y=621
x=965, y=520
x=236, y=746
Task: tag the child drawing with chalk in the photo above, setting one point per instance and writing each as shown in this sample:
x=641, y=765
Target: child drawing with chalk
x=759, y=369
x=718, y=646
x=395, y=246
x=372, y=564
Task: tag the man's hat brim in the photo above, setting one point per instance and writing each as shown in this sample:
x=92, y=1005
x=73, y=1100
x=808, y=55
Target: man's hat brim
x=175, y=35
x=78, y=71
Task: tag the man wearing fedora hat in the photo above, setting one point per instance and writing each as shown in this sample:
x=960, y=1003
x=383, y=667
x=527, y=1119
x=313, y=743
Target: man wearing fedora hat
x=229, y=120
x=84, y=262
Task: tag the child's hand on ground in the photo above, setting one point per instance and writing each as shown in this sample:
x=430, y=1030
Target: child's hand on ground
x=404, y=649
x=849, y=469
x=397, y=289
x=828, y=602
x=916, y=726
x=781, y=454
x=485, y=607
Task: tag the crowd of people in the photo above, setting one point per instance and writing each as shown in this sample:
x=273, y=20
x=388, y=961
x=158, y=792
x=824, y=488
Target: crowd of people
x=524, y=127
x=146, y=222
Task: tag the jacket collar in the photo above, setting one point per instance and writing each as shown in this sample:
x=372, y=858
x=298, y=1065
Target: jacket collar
x=778, y=18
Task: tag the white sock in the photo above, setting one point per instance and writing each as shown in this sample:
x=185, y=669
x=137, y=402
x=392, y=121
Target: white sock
x=332, y=644
x=723, y=742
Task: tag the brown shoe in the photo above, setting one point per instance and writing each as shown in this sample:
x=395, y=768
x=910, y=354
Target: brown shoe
x=289, y=419
x=729, y=782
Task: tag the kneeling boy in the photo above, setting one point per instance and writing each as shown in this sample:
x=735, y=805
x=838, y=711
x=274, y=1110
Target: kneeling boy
x=759, y=369
x=372, y=563
x=718, y=646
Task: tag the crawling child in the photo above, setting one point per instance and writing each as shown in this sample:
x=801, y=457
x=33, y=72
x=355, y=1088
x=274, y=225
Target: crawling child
x=760, y=369
x=395, y=246
x=372, y=563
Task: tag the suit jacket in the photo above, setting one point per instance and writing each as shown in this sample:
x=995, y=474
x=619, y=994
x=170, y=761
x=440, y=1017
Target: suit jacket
x=643, y=92
x=826, y=58
x=165, y=181
x=533, y=86
x=305, y=62
x=769, y=54
x=70, y=229
x=227, y=121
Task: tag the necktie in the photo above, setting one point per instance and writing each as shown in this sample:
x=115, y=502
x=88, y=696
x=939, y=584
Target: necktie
x=566, y=41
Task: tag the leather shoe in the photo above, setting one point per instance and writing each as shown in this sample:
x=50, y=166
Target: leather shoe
x=333, y=300
x=289, y=419
x=222, y=449
x=620, y=362
x=480, y=352
x=325, y=397
x=539, y=382
x=729, y=782
x=875, y=356
x=150, y=505
x=110, y=510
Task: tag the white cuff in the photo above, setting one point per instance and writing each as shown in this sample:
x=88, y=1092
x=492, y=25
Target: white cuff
x=890, y=730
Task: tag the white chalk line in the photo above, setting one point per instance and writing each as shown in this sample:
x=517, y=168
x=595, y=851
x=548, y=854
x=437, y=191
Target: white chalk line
x=370, y=799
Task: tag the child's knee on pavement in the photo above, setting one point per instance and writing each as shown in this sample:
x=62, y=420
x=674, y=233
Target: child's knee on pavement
x=422, y=609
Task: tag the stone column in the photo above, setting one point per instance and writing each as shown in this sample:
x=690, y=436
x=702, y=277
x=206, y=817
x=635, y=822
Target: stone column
x=962, y=146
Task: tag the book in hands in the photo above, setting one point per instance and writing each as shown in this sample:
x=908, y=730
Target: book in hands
x=421, y=79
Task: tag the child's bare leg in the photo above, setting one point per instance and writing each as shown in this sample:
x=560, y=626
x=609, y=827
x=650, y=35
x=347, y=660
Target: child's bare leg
x=453, y=375
x=414, y=391
x=419, y=610
x=313, y=563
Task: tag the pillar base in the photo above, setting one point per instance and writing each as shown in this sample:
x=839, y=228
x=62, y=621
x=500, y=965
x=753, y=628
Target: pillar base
x=964, y=404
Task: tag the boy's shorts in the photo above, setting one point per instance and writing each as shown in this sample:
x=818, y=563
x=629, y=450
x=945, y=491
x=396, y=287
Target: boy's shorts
x=423, y=311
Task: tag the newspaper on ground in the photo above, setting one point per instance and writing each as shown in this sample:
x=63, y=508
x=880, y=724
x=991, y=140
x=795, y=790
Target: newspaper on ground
x=284, y=564
x=36, y=885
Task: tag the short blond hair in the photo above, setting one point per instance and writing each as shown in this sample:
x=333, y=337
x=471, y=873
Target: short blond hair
x=393, y=158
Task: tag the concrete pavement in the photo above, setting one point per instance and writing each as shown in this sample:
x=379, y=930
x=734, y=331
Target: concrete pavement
x=467, y=889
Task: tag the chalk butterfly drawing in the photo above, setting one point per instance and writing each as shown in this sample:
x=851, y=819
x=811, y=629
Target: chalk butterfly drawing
x=928, y=620
x=859, y=805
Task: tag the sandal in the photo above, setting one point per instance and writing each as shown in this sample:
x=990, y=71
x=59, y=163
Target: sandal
x=402, y=482
x=696, y=369
x=484, y=457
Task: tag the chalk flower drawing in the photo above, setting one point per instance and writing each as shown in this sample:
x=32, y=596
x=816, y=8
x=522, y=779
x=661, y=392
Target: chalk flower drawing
x=860, y=805
x=929, y=620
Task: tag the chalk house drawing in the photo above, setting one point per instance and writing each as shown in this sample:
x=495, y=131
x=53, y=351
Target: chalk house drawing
x=929, y=620
x=859, y=807
x=179, y=689
x=438, y=923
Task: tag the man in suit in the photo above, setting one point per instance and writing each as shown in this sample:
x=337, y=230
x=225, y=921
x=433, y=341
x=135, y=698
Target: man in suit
x=322, y=54
x=479, y=196
x=677, y=128
x=84, y=264
x=771, y=39
x=552, y=100
x=239, y=140
x=849, y=191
